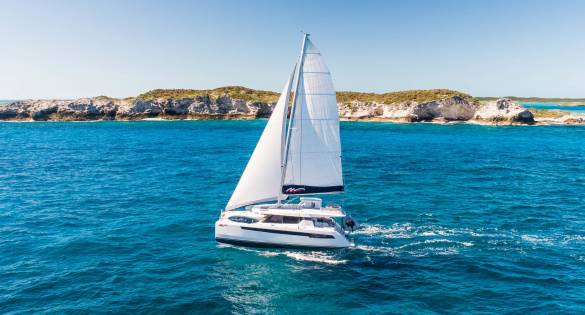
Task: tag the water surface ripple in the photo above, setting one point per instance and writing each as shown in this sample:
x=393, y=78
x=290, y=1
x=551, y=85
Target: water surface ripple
x=117, y=217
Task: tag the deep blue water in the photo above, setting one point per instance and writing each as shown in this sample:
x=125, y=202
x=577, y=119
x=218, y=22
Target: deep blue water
x=117, y=217
x=578, y=108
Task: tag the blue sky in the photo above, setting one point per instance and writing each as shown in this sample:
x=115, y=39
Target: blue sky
x=67, y=49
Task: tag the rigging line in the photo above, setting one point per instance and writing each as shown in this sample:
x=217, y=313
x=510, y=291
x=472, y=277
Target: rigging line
x=340, y=159
x=301, y=137
x=332, y=94
x=316, y=152
x=319, y=119
x=293, y=112
x=284, y=136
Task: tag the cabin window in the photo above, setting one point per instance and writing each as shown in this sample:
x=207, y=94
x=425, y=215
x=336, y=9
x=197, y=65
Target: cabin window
x=274, y=219
x=324, y=222
x=291, y=220
x=243, y=219
x=279, y=219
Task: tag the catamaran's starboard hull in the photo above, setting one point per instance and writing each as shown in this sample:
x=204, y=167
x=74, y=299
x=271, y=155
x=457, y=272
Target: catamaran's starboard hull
x=261, y=236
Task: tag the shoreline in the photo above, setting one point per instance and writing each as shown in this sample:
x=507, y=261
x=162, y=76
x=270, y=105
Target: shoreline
x=537, y=123
x=435, y=107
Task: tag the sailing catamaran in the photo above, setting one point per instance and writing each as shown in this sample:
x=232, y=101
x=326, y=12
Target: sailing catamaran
x=302, y=157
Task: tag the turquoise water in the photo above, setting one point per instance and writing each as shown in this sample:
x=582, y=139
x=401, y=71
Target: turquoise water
x=117, y=217
x=577, y=109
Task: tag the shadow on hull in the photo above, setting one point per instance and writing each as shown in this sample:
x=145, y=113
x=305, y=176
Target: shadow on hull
x=271, y=245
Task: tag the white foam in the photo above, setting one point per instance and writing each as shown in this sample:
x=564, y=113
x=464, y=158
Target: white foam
x=446, y=252
x=375, y=229
x=435, y=241
x=404, y=230
x=435, y=252
x=574, y=238
x=377, y=249
x=537, y=240
x=305, y=256
x=269, y=254
x=315, y=257
x=245, y=249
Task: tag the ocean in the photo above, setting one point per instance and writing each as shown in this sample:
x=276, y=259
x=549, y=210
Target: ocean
x=578, y=109
x=117, y=217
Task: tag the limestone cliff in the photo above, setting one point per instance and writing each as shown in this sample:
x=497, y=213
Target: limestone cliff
x=454, y=108
x=440, y=106
x=503, y=111
x=104, y=108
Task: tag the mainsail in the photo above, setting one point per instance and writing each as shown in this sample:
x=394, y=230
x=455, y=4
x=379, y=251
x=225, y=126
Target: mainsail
x=261, y=179
x=313, y=156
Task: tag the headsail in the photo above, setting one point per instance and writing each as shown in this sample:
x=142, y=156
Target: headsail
x=313, y=161
x=261, y=179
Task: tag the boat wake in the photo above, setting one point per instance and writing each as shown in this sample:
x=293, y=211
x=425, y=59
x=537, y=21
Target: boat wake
x=403, y=230
x=410, y=240
x=314, y=256
x=307, y=256
x=402, y=239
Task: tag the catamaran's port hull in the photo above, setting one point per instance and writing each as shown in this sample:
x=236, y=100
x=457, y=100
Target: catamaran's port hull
x=255, y=235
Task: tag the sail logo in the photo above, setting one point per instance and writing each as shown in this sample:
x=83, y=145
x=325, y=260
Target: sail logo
x=293, y=190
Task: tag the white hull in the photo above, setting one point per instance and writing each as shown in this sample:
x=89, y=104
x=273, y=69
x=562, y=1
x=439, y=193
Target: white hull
x=263, y=234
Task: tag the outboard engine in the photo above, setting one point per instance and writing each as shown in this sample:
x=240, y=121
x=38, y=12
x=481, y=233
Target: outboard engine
x=349, y=223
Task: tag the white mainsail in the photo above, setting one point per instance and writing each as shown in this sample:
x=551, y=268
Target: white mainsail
x=262, y=177
x=313, y=157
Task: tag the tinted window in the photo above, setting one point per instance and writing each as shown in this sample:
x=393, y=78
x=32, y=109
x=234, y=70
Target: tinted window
x=291, y=220
x=324, y=222
x=274, y=219
x=243, y=219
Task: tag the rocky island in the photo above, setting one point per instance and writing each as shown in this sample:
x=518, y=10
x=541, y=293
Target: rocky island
x=439, y=106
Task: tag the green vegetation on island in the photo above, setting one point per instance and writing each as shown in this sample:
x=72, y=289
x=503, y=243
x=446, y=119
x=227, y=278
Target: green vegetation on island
x=240, y=92
x=547, y=113
x=236, y=92
x=419, y=96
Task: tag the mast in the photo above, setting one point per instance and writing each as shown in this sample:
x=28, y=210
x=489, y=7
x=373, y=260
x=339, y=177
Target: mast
x=291, y=115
